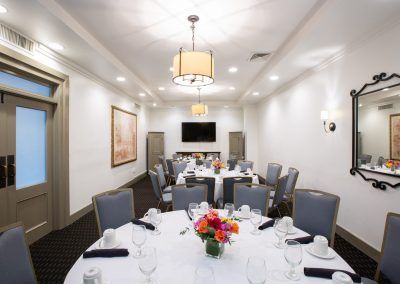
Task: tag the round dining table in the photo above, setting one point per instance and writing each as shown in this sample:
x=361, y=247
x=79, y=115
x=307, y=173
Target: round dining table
x=179, y=256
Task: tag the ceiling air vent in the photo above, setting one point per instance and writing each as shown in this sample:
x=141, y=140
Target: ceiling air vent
x=259, y=56
x=16, y=39
x=385, y=107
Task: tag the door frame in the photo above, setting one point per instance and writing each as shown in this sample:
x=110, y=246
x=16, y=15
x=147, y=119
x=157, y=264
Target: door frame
x=32, y=69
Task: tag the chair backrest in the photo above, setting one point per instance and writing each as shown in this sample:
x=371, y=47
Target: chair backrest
x=207, y=163
x=175, y=156
x=183, y=194
x=161, y=176
x=293, y=174
x=113, y=208
x=209, y=181
x=254, y=195
x=244, y=165
x=380, y=161
x=232, y=163
x=273, y=173
x=227, y=186
x=280, y=191
x=170, y=167
x=315, y=212
x=155, y=184
x=178, y=168
x=390, y=252
x=365, y=159
x=15, y=259
x=161, y=160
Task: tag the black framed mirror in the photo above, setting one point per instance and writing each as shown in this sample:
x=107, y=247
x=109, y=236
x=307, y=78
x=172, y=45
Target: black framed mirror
x=376, y=130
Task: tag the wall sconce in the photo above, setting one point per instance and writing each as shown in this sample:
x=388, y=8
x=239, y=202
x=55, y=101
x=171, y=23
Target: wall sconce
x=324, y=118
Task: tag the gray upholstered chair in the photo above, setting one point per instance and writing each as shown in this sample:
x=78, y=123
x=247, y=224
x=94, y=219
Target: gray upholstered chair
x=231, y=163
x=170, y=170
x=209, y=181
x=293, y=175
x=163, y=198
x=15, y=259
x=175, y=156
x=183, y=194
x=207, y=163
x=179, y=167
x=227, y=189
x=279, y=193
x=105, y=205
x=365, y=159
x=254, y=195
x=244, y=165
x=315, y=212
x=161, y=161
x=161, y=178
x=380, y=161
x=273, y=173
x=388, y=266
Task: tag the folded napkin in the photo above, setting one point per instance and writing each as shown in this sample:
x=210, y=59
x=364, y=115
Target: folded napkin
x=303, y=240
x=140, y=222
x=243, y=171
x=105, y=253
x=189, y=176
x=190, y=172
x=267, y=224
x=327, y=273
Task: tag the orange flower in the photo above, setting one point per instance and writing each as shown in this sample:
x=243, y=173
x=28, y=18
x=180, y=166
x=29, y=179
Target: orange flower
x=219, y=236
x=203, y=227
x=235, y=228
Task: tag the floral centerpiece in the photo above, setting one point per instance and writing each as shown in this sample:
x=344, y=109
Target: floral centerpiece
x=392, y=164
x=197, y=156
x=215, y=231
x=218, y=165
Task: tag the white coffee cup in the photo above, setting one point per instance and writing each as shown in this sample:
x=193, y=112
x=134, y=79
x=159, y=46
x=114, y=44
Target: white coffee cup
x=320, y=245
x=109, y=238
x=244, y=211
x=150, y=212
x=289, y=222
x=204, y=207
x=92, y=276
x=341, y=278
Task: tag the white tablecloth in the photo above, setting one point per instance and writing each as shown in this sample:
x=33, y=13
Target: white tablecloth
x=179, y=256
x=218, y=192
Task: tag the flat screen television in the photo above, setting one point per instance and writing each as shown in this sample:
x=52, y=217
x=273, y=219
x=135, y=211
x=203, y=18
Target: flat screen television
x=198, y=132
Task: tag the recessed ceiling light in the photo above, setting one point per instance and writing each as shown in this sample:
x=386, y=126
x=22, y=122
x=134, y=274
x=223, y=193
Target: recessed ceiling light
x=121, y=79
x=233, y=69
x=226, y=106
x=274, y=77
x=56, y=46
x=232, y=88
x=360, y=105
x=385, y=89
x=154, y=104
x=3, y=9
x=256, y=93
x=171, y=69
x=142, y=94
x=161, y=88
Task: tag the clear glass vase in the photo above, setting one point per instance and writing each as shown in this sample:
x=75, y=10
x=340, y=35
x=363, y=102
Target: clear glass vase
x=214, y=248
x=217, y=171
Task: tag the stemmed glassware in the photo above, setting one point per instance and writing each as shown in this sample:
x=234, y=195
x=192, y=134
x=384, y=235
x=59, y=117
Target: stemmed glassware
x=204, y=275
x=192, y=212
x=229, y=209
x=256, y=270
x=281, y=230
x=256, y=219
x=156, y=219
x=148, y=263
x=138, y=238
x=293, y=256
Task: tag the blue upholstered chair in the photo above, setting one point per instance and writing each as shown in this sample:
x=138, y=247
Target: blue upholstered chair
x=15, y=260
x=105, y=205
x=293, y=175
x=170, y=167
x=273, y=173
x=365, y=159
x=254, y=195
x=207, y=163
x=163, y=198
x=279, y=193
x=178, y=168
x=209, y=181
x=380, y=161
x=244, y=165
x=315, y=212
x=183, y=194
x=161, y=178
x=227, y=187
x=388, y=266
x=231, y=163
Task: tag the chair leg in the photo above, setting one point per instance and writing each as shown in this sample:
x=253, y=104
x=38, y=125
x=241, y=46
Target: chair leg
x=287, y=206
x=158, y=205
x=279, y=212
x=168, y=206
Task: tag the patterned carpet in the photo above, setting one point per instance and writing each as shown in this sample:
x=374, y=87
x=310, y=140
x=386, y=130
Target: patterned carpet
x=54, y=255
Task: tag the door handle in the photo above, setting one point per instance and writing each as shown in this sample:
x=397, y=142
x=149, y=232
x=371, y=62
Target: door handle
x=3, y=172
x=11, y=171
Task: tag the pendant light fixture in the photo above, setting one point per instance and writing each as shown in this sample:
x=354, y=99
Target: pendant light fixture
x=193, y=68
x=199, y=109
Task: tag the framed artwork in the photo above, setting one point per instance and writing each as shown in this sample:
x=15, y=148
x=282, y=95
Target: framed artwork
x=123, y=136
x=395, y=136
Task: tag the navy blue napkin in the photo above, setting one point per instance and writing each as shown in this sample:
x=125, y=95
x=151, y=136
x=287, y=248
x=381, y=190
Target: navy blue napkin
x=140, y=222
x=303, y=240
x=267, y=224
x=105, y=253
x=327, y=273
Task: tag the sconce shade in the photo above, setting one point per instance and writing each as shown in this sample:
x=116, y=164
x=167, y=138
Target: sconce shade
x=199, y=110
x=324, y=115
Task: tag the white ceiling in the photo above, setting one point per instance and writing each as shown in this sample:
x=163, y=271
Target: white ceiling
x=138, y=39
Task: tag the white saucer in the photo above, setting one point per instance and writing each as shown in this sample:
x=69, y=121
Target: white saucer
x=292, y=232
x=105, y=281
x=243, y=217
x=331, y=253
x=98, y=245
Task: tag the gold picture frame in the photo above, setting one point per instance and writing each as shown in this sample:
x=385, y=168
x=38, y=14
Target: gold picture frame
x=395, y=136
x=123, y=136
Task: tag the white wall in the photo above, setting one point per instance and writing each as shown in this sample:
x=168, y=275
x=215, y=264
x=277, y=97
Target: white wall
x=291, y=133
x=250, y=129
x=169, y=120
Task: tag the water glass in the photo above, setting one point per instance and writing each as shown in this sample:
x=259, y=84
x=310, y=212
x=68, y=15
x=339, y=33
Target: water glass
x=204, y=275
x=293, y=256
x=148, y=263
x=229, y=208
x=281, y=230
x=192, y=211
x=256, y=270
x=156, y=219
x=138, y=238
x=256, y=219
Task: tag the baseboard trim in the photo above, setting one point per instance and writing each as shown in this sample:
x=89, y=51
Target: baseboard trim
x=358, y=243
x=139, y=177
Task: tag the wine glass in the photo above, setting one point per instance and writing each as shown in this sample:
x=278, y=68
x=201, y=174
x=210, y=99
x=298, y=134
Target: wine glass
x=148, y=262
x=256, y=220
x=256, y=270
x=138, y=238
x=281, y=230
x=229, y=208
x=204, y=275
x=293, y=256
x=192, y=211
x=156, y=219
